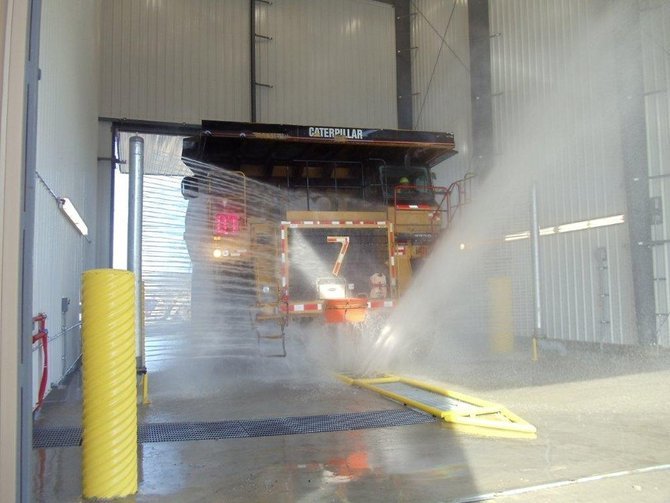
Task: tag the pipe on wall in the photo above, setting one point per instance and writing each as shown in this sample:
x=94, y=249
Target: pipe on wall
x=135, y=193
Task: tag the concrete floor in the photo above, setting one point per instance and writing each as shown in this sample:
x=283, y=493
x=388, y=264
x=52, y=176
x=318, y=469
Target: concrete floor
x=596, y=413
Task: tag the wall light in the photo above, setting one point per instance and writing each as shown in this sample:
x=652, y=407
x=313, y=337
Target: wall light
x=571, y=227
x=71, y=212
x=517, y=236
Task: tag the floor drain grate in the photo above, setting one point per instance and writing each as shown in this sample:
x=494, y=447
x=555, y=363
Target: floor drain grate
x=188, y=431
x=67, y=436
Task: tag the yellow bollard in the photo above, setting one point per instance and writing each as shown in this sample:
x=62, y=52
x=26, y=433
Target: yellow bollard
x=109, y=419
x=145, y=389
x=501, y=314
x=145, y=376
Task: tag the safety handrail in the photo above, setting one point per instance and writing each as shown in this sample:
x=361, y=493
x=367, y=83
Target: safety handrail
x=421, y=190
x=458, y=194
x=432, y=191
x=42, y=336
x=453, y=198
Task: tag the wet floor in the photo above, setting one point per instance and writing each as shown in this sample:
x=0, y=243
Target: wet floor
x=599, y=415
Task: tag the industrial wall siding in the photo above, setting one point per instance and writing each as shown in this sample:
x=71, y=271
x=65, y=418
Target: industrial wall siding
x=66, y=160
x=174, y=61
x=328, y=62
x=556, y=120
x=104, y=197
x=441, y=77
x=587, y=298
x=655, y=28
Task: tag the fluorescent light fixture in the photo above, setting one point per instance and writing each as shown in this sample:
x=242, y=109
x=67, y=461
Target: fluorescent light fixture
x=574, y=226
x=570, y=227
x=602, y=222
x=517, y=236
x=71, y=212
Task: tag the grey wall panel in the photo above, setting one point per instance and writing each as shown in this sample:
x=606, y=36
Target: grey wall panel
x=175, y=61
x=552, y=76
x=585, y=298
x=441, y=77
x=66, y=160
x=556, y=120
x=329, y=62
x=105, y=191
x=655, y=27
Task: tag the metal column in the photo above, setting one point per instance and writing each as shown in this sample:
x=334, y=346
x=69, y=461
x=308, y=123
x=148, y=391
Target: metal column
x=252, y=59
x=135, y=193
x=480, y=84
x=252, y=56
x=636, y=171
x=537, y=284
x=23, y=491
x=403, y=51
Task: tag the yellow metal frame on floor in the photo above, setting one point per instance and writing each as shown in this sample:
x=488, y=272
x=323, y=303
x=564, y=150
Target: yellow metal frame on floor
x=482, y=416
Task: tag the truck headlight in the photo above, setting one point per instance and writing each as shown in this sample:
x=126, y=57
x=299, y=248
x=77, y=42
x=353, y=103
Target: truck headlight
x=267, y=294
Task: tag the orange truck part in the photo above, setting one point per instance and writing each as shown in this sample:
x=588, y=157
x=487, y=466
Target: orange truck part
x=352, y=310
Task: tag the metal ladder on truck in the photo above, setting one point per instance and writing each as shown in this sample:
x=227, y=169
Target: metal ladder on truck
x=268, y=320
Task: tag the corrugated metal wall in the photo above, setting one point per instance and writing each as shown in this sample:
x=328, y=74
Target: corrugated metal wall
x=441, y=77
x=328, y=62
x=174, y=61
x=554, y=107
x=66, y=161
x=556, y=120
x=655, y=19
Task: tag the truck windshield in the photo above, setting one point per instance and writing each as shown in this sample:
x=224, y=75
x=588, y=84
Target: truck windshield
x=417, y=177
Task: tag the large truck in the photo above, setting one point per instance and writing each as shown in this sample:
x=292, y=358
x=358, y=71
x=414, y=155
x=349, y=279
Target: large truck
x=314, y=221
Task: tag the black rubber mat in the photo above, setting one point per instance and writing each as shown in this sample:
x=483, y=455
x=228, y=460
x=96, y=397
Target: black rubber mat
x=181, y=432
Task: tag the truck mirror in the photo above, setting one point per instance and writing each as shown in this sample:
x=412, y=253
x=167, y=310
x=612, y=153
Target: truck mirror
x=189, y=187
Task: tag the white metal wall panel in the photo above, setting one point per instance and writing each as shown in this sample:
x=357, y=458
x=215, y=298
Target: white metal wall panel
x=655, y=20
x=66, y=160
x=104, y=197
x=329, y=62
x=556, y=120
x=185, y=61
x=586, y=299
x=441, y=77
x=175, y=60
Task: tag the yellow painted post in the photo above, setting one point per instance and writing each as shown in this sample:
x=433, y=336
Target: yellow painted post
x=145, y=389
x=109, y=419
x=502, y=322
x=145, y=375
x=404, y=268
